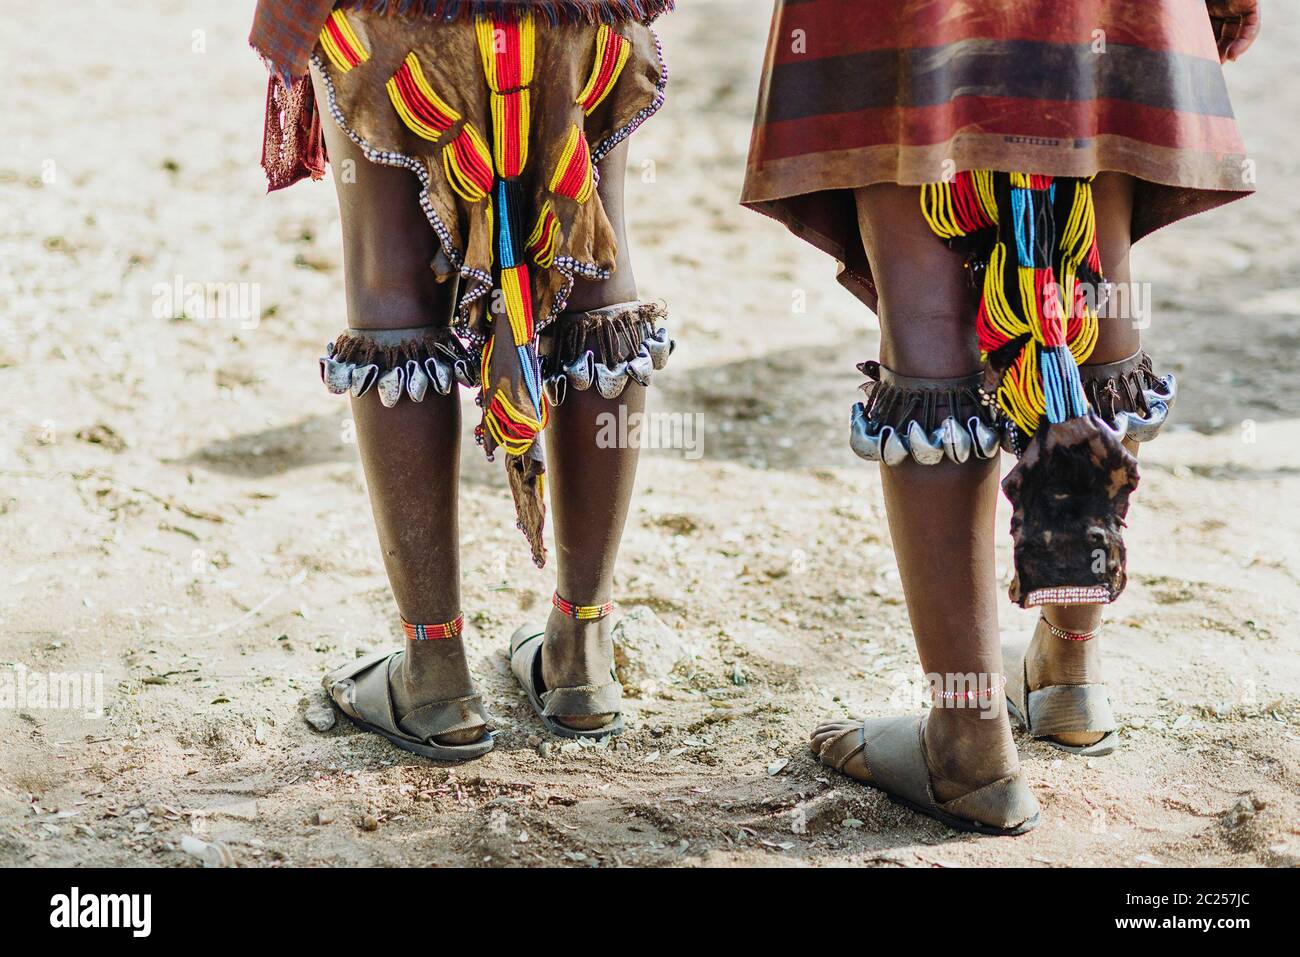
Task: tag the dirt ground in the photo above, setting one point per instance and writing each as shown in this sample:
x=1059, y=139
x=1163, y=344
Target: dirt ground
x=181, y=510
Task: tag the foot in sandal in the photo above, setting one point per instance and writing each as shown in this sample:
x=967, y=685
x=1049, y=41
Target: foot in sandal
x=421, y=698
x=567, y=670
x=952, y=765
x=1054, y=687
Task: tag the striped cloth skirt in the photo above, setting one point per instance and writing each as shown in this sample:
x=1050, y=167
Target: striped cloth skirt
x=857, y=92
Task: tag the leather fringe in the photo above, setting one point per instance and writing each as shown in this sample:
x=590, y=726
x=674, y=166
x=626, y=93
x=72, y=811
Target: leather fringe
x=611, y=337
x=1119, y=386
x=365, y=351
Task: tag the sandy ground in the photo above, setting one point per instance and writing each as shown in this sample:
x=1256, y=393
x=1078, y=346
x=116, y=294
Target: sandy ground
x=182, y=512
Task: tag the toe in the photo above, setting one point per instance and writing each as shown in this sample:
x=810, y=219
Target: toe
x=832, y=727
x=826, y=733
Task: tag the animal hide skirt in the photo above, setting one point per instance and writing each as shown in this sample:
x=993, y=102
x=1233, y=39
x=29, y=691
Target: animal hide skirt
x=504, y=120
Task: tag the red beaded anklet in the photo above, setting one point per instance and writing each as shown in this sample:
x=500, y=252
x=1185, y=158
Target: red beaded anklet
x=450, y=629
x=1067, y=635
x=582, y=612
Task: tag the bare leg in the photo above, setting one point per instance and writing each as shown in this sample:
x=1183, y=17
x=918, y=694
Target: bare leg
x=591, y=487
x=411, y=452
x=1051, y=660
x=941, y=517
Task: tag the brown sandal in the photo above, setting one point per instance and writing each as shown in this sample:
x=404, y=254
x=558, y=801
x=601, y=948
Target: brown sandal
x=894, y=753
x=1058, y=709
x=360, y=689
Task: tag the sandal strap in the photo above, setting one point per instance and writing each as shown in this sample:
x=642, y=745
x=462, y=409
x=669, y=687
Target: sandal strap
x=360, y=689
x=835, y=755
x=445, y=717
x=895, y=753
x=894, y=750
x=1055, y=709
x=1007, y=802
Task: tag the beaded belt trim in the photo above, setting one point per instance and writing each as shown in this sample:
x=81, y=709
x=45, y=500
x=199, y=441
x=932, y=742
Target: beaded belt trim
x=1068, y=635
x=582, y=612
x=1069, y=595
x=450, y=629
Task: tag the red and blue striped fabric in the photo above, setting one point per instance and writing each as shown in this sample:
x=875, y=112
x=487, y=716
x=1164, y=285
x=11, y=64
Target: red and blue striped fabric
x=856, y=92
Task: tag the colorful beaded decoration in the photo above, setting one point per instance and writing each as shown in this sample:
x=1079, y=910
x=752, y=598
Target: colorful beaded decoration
x=612, y=52
x=573, y=175
x=507, y=49
x=341, y=44
x=546, y=237
x=422, y=110
x=468, y=165
x=1034, y=311
x=1068, y=635
x=582, y=612
x=450, y=629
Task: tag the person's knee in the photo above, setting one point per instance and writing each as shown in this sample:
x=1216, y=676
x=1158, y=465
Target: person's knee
x=387, y=301
x=929, y=343
x=1118, y=338
x=589, y=296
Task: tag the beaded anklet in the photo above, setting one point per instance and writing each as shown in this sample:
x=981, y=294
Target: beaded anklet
x=582, y=612
x=996, y=689
x=450, y=629
x=1068, y=635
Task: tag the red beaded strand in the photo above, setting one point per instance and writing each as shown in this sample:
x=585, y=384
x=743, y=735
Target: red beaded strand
x=450, y=629
x=1068, y=635
x=582, y=612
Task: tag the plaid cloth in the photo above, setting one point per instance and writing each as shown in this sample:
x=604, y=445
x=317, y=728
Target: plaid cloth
x=285, y=31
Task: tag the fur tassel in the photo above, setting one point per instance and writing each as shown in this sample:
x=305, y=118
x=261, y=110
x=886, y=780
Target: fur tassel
x=527, y=477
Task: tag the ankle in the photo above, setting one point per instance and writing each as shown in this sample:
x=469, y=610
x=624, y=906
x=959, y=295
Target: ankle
x=966, y=750
x=973, y=719
x=567, y=635
x=426, y=657
x=578, y=624
x=1063, y=655
x=563, y=630
x=578, y=646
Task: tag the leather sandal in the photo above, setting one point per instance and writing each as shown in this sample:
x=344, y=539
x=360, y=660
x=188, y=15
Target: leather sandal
x=893, y=750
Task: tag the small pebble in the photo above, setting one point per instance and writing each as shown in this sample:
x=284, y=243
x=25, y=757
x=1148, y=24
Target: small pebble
x=321, y=717
x=370, y=823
